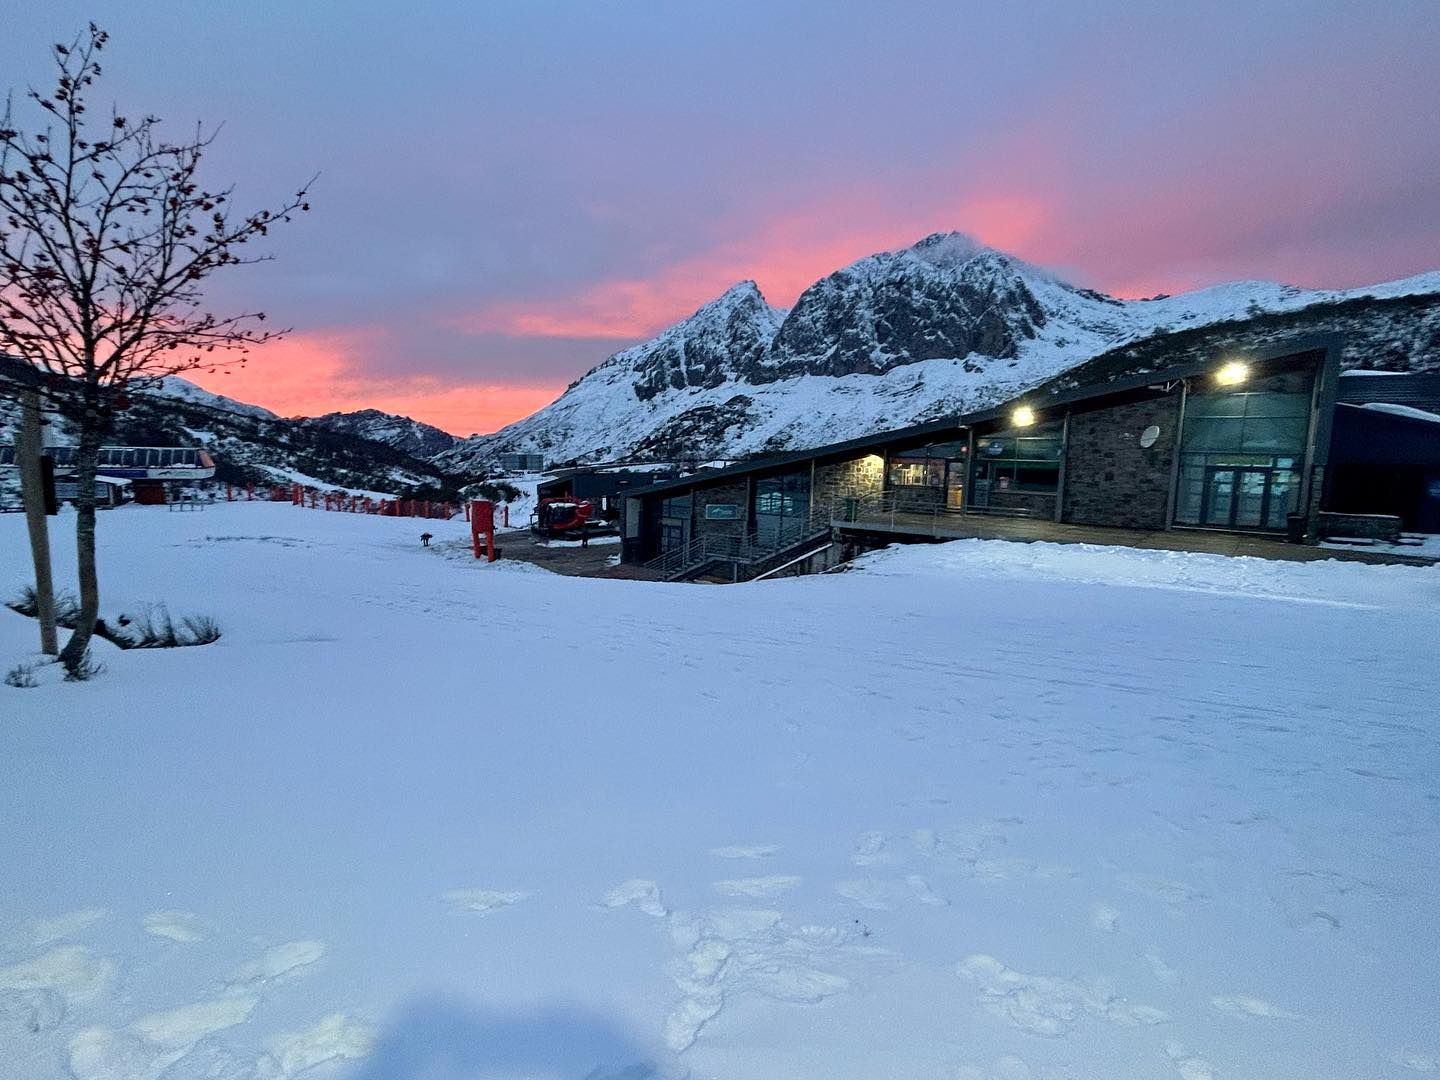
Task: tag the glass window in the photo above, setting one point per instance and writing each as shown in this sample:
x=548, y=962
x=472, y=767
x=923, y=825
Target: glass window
x=1240, y=453
x=1274, y=434
x=786, y=495
x=917, y=472
x=1026, y=459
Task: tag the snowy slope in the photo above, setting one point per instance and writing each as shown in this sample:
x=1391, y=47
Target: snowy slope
x=411, y=436
x=252, y=444
x=179, y=389
x=1148, y=816
x=901, y=337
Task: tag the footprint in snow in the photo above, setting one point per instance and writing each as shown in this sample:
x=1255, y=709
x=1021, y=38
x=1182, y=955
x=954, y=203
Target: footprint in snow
x=757, y=888
x=181, y=926
x=482, y=901
x=746, y=851
x=59, y=927
x=1245, y=1005
x=642, y=893
x=279, y=962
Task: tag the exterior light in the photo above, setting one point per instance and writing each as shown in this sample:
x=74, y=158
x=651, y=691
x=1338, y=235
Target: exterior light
x=1232, y=374
x=1023, y=416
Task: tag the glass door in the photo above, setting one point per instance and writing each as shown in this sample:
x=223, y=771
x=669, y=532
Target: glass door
x=782, y=503
x=1219, y=497
x=1252, y=492
x=1284, y=498
x=955, y=484
x=1247, y=497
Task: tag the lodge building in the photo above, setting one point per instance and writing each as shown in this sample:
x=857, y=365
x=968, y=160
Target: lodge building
x=1273, y=444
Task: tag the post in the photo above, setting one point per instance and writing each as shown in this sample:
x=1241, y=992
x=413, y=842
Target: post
x=27, y=453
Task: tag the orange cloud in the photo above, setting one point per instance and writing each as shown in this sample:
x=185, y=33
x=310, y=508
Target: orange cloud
x=312, y=373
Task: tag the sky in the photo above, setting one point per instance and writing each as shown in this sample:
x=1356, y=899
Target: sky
x=509, y=193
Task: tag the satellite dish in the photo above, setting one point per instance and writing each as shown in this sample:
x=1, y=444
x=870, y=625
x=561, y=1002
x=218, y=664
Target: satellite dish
x=1149, y=436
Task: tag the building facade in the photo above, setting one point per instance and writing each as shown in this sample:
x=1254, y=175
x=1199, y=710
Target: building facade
x=1240, y=444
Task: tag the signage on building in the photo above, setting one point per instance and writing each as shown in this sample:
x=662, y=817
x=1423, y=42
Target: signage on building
x=722, y=511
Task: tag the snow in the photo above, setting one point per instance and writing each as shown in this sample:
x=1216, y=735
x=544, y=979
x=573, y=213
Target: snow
x=522, y=508
x=602, y=416
x=173, y=386
x=976, y=810
x=1407, y=411
x=1426, y=545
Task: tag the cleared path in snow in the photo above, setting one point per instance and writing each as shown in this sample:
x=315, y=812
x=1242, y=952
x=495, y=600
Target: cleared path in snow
x=980, y=811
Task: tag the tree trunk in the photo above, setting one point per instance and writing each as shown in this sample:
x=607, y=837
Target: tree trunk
x=87, y=455
x=28, y=449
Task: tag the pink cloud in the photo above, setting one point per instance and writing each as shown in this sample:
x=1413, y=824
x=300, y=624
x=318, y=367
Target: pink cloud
x=784, y=254
x=312, y=373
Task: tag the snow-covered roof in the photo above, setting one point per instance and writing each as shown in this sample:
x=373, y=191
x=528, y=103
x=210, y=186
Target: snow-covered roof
x=1402, y=410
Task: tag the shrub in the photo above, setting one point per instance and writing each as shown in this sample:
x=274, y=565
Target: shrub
x=22, y=675
x=200, y=630
x=154, y=628
x=67, y=607
x=85, y=669
x=498, y=491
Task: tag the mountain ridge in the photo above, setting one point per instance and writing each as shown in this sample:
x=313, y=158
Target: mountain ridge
x=940, y=327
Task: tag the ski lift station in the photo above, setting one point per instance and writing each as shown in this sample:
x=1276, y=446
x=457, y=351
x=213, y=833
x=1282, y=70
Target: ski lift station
x=1242, y=452
x=143, y=470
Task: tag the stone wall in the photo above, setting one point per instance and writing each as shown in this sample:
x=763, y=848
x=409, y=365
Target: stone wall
x=1360, y=526
x=733, y=492
x=862, y=475
x=1110, y=479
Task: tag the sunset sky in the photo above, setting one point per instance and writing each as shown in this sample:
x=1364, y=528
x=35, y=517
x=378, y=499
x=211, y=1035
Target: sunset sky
x=511, y=192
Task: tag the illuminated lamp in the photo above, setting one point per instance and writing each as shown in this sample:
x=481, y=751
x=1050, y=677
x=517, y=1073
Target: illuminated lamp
x=1023, y=416
x=1233, y=373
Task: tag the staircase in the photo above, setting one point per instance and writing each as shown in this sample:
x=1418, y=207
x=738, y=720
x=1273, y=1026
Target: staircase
x=743, y=558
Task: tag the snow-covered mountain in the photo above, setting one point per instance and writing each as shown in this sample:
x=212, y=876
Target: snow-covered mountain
x=251, y=443
x=941, y=327
x=415, y=438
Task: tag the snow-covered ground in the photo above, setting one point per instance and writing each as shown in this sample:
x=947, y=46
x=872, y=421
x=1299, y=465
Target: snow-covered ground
x=1426, y=545
x=978, y=811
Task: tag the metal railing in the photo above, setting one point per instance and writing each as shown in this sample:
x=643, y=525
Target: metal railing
x=745, y=554
x=754, y=554
x=912, y=511
x=889, y=509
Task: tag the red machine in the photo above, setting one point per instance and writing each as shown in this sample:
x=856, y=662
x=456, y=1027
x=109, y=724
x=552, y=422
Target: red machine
x=561, y=517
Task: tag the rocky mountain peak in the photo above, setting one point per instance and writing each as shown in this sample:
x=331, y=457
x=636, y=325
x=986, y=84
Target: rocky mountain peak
x=410, y=436
x=724, y=339
x=947, y=296
x=949, y=248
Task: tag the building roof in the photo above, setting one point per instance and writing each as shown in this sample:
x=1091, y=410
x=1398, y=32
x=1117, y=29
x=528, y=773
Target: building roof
x=1367, y=388
x=1034, y=398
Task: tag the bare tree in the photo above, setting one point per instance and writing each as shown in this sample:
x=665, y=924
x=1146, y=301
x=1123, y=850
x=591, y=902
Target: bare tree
x=106, y=236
